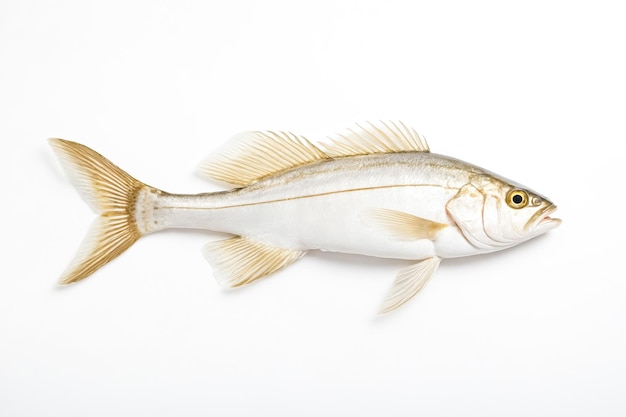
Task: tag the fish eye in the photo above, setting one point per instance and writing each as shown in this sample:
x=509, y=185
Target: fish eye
x=517, y=199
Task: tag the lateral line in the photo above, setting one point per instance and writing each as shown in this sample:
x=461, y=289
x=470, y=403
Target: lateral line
x=310, y=196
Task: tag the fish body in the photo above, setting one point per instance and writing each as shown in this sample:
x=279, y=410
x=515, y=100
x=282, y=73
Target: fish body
x=326, y=206
x=376, y=191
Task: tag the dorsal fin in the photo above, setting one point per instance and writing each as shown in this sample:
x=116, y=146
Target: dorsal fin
x=383, y=137
x=250, y=156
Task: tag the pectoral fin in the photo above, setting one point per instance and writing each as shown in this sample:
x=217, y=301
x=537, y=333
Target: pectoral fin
x=409, y=282
x=238, y=261
x=404, y=226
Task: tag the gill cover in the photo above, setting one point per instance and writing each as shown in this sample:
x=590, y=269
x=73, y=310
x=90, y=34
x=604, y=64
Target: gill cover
x=477, y=210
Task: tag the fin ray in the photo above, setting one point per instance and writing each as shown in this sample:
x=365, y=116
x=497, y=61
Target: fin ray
x=409, y=282
x=250, y=156
x=107, y=238
x=384, y=137
x=239, y=261
x=403, y=225
x=111, y=193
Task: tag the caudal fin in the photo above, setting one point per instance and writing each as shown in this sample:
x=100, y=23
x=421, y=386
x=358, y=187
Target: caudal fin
x=112, y=194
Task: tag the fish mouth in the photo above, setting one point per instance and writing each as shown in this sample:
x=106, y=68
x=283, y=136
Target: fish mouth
x=541, y=221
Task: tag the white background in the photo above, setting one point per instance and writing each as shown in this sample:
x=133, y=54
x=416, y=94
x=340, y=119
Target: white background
x=532, y=90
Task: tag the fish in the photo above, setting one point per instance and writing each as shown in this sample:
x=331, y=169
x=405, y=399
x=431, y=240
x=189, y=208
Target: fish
x=374, y=190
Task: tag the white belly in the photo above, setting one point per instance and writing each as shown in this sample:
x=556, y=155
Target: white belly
x=336, y=221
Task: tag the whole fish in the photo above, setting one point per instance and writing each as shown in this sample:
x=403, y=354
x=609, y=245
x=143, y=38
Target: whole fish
x=375, y=190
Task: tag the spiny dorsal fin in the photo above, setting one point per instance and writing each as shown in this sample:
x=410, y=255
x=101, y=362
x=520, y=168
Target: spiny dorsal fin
x=250, y=156
x=384, y=137
x=238, y=261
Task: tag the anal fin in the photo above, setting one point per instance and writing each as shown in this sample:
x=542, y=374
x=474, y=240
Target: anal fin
x=239, y=260
x=408, y=282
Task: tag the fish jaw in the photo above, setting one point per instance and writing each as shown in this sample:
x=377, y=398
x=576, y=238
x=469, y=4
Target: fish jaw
x=541, y=222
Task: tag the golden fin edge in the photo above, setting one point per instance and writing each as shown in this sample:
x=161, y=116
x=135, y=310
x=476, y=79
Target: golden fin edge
x=239, y=260
x=374, y=138
x=111, y=193
x=404, y=226
x=251, y=156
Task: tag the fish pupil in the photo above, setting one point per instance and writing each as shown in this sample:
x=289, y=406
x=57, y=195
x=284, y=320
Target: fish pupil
x=517, y=199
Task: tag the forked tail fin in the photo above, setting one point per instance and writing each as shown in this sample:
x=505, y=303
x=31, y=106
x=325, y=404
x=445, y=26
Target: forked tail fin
x=112, y=194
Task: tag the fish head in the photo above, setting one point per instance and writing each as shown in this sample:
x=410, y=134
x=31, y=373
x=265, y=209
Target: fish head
x=494, y=213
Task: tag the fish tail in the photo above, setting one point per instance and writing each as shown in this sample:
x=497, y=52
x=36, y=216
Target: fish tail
x=113, y=195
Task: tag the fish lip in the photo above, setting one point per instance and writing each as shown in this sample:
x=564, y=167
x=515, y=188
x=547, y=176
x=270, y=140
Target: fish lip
x=541, y=220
